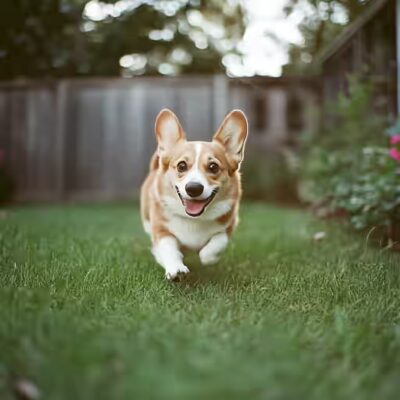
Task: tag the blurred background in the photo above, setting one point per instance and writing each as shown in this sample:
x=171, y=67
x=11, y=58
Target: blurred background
x=82, y=82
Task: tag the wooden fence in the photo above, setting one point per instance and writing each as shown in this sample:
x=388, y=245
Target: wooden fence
x=92, y=138
x=367, y=48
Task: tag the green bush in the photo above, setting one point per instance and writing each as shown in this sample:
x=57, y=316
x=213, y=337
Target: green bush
x=348, y=167
x=370, y=191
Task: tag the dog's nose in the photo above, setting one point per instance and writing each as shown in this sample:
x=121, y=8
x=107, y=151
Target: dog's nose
x=194, y=189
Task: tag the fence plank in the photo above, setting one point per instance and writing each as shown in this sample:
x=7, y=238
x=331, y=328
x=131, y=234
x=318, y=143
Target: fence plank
x=196, y=112
x=138, y=138
x=19, y=133
x=41, y=144
x=5, y=126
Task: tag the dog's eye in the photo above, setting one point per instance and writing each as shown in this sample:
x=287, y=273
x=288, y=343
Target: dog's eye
x=213, y=168
x=182, y=166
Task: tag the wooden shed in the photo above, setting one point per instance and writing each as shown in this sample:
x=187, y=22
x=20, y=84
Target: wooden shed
x=368, y=47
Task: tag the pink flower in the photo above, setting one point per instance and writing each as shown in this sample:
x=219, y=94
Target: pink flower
x=395, y=151
x=395, y=154
x=395, y=139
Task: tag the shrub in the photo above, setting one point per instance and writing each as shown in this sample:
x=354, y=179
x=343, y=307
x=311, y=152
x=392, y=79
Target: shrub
x=370, y=191
x=350, y=166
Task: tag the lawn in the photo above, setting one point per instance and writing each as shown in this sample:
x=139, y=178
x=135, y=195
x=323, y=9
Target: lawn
x=85, y=313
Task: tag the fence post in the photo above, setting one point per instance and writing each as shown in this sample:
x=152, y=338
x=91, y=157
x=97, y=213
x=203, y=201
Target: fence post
x=60, y=132
x=220, y=99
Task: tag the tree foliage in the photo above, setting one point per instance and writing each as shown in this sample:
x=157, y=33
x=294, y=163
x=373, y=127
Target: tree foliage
x=323, y=21
x=55, y=38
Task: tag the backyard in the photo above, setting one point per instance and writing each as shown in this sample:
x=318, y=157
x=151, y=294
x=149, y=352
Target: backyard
x=87, y=314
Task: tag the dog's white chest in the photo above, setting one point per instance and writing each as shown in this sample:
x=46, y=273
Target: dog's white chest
x=191, y=233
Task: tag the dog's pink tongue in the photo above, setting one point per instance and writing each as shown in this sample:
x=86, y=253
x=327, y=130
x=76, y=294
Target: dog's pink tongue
x=194, y=207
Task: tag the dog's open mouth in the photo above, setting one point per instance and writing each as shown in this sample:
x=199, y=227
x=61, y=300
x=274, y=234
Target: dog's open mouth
x=195, y=208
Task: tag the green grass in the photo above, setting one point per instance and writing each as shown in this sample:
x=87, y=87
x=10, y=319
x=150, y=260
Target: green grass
x=85, y=313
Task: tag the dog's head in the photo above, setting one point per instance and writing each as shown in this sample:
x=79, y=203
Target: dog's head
x=200, y=171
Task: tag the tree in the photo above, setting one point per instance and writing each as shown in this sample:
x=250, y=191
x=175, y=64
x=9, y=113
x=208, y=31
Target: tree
x=55, y=38
x=323, y=21
x=38, y=38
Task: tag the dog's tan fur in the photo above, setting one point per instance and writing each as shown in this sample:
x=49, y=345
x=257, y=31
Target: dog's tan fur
x=162, y=205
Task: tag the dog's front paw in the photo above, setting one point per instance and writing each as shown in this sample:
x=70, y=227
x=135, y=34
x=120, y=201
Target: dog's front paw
x=208, y=258
x=177, y=274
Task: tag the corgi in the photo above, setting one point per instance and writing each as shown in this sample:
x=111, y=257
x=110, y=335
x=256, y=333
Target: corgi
x=190, y=198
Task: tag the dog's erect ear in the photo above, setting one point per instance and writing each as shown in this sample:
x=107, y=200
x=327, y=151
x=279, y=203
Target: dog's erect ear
x=232, y=135
x=168, y=132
